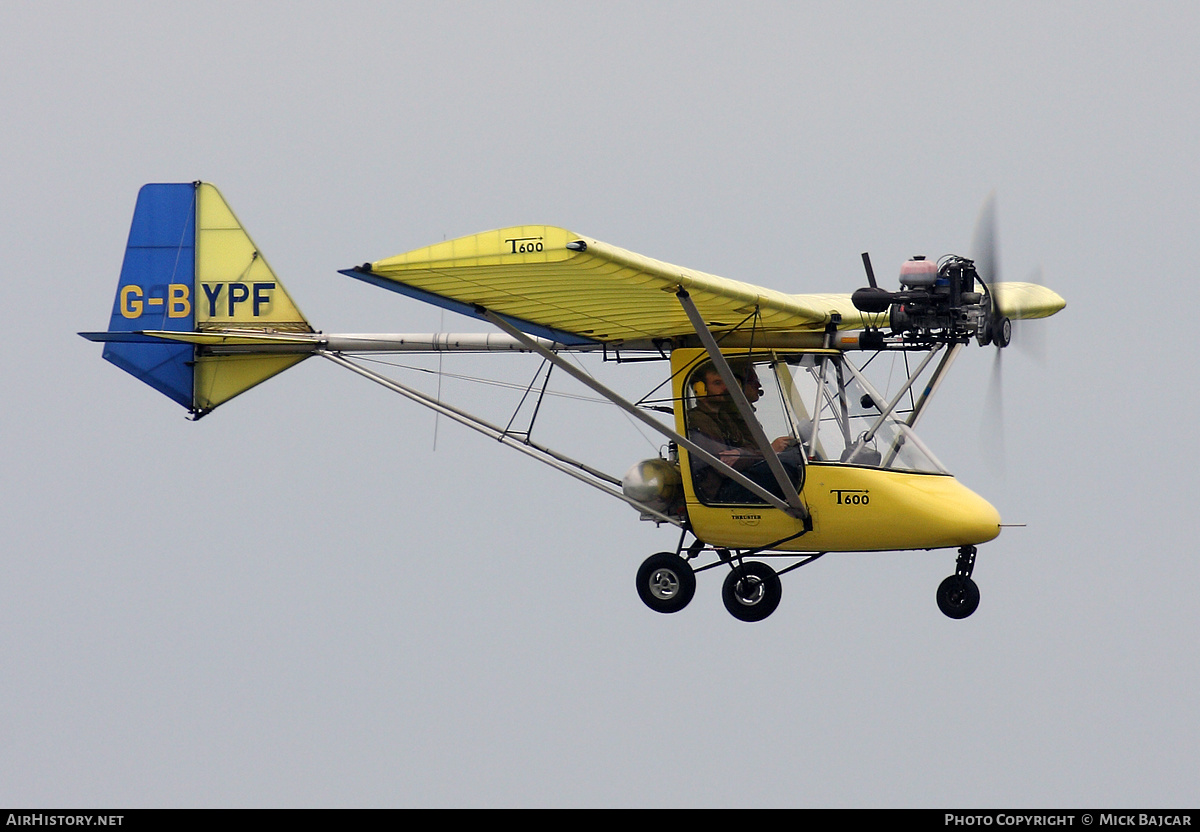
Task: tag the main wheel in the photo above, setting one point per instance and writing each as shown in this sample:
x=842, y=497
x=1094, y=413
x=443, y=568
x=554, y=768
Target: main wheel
x=752, y=591
x=666, y=582
x=958, y=597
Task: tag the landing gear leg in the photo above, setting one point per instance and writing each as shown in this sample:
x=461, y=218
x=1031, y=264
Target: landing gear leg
x=958, y=596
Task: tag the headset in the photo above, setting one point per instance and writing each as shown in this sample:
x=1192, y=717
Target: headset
x=700, y=388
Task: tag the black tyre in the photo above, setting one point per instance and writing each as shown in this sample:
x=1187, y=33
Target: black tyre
x=1002, y=332
x=752, y=591
x=666, y=582
x=958, y=597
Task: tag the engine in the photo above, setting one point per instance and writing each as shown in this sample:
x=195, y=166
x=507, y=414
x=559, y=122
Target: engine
x=937, y=303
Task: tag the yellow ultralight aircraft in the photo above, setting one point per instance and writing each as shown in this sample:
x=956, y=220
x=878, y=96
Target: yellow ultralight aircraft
x=779, y=446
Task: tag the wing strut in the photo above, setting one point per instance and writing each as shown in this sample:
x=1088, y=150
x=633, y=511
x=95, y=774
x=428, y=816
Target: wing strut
x=904, y=388
x=634, y=411
x=934, y=383
x=795, y=506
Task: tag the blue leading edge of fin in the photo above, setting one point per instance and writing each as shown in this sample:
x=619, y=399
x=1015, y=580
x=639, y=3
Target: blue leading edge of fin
x=157, y=290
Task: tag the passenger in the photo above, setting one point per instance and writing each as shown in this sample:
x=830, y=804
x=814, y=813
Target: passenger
x=716, y=425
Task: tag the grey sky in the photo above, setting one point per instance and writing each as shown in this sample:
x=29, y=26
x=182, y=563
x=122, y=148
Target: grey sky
x=298, y=602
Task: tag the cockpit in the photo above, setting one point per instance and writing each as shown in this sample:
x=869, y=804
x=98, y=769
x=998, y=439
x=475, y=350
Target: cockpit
x=816, y=405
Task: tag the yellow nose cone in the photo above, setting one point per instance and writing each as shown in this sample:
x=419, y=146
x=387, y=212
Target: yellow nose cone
x=954, y=514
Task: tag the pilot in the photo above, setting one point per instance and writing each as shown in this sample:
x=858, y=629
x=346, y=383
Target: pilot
x=716, y=425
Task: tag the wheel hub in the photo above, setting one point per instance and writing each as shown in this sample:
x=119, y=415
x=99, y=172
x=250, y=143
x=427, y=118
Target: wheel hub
x=664, y=584
x=750, y=590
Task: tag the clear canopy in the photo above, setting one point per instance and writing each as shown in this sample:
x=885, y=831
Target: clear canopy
x=824, y=403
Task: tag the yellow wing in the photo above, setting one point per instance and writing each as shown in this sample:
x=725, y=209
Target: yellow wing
x=573, y=289
x=565, y=283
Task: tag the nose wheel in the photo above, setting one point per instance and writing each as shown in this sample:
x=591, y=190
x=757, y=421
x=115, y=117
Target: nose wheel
x=958, y=596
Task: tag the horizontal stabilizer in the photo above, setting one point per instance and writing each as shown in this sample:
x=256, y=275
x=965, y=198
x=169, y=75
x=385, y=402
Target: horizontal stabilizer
x=127, y=338
x=225, y=338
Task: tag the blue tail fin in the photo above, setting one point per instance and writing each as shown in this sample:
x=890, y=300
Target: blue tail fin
x=157, y=289
x=190, y=268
